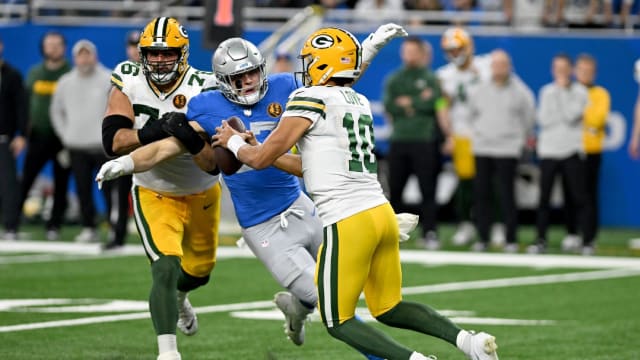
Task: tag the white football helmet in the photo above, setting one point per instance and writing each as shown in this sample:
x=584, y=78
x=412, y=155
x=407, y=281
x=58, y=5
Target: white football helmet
x=234, y=58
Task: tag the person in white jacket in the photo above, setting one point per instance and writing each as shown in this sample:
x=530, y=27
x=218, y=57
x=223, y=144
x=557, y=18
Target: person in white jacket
x=502, y=117
x=77, y=107
x=560, y=148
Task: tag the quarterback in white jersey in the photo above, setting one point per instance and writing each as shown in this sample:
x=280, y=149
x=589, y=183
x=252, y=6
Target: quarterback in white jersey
x=176, y=205
x=332, y=125
x=338, y=164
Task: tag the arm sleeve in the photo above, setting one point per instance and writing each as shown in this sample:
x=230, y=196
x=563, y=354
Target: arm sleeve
x=388, y=97
x=545, y=107
x=56, y=110
x=20, y=100
x=574, y=103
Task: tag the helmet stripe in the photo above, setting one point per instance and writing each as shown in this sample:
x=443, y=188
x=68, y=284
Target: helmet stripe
x=160, y=29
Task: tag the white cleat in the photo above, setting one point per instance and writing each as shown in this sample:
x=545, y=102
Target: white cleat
x=464, y=234
x=483, y=347
x=294, y=316
x=187, y=319
x=169, y=355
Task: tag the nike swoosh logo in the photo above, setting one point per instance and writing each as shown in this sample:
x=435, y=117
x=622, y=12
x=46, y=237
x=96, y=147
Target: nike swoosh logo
x=207, y=206
x=191, y=322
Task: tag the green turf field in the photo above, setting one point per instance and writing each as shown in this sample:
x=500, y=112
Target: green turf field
x=70, y=304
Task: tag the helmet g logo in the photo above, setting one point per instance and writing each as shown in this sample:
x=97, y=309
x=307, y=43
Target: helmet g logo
x=322, y=41
x=183, y=31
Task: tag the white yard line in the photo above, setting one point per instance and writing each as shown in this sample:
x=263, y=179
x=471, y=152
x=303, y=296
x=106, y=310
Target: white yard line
x=430, y=258
x=456, y=286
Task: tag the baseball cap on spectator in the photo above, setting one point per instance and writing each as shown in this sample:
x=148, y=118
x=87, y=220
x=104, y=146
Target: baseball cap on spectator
x=133, y=37
x=84, y=44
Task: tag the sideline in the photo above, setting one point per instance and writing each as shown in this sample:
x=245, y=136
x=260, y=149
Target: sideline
x=431, y=258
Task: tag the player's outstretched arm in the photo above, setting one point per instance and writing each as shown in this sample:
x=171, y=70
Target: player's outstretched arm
x=141, y=159
x=377, y=40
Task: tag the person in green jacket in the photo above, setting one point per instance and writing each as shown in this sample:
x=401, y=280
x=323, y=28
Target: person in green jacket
x=417, y=109
x=43, y=144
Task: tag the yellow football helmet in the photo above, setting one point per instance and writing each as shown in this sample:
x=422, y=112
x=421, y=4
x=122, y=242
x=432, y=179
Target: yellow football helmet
x=164, y=34
x=457, y=45
x=330, y=53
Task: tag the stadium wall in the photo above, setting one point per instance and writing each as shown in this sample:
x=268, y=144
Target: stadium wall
x=620, y=182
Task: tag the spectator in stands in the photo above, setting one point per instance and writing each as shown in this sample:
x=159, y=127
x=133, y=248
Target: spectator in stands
x=503, y=116
x=77, y=105
x=594, y=123
x=417, y=109
x=379, y=11
x=13, y=128
x=560, y=148
x=553, y=13
x=634, y=141
x=43, y=144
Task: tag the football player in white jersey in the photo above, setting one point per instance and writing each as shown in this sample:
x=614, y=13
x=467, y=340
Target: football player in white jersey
x=333, y=128
x=279, y=223
x=463, y=70
x=176, y=205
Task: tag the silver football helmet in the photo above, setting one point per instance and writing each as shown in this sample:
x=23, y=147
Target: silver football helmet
x=234, y=58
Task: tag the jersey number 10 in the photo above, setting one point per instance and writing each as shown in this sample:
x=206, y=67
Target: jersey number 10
x=361, y=142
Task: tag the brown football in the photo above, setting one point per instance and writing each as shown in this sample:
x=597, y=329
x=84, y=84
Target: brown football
x=227, y=163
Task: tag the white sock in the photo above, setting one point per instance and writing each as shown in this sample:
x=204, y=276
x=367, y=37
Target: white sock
x=167, y=342
x=462, y=341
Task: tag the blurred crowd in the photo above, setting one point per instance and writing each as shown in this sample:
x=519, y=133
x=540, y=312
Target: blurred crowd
x=541, y=13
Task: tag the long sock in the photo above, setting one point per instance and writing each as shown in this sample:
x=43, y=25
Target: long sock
x=369, y=340
x=421, y=318
x=162, y=299
x=188, y=282
x=368, y=356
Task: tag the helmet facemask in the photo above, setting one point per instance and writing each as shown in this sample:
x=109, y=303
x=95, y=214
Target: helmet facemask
x=163, y=72
x=233, y=88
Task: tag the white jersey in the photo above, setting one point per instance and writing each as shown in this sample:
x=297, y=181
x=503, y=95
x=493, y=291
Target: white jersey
x=180, y=175
x=456, y=83
x=338, y=164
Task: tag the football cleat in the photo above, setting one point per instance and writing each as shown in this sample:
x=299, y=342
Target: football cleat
x=187, y=319
x=294, y=316
x=482, y=347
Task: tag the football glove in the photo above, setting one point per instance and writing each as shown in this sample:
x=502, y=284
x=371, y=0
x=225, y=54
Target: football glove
x=377, y=40
x=406, y=224
x=176, y=124
x=115, y=168
x=152, y=131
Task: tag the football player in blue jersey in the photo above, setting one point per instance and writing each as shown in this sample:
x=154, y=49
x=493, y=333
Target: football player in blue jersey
x=279, y=222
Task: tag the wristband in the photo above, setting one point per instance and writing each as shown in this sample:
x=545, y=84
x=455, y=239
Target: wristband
x=234, y=144
x=127, y=164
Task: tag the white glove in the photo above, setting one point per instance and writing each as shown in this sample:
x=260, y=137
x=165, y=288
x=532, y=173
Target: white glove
x=377, y=40
x=115, y=168
x=406, y=224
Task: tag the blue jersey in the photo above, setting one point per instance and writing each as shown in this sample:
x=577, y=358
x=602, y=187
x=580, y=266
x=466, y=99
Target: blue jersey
x=257, y=195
